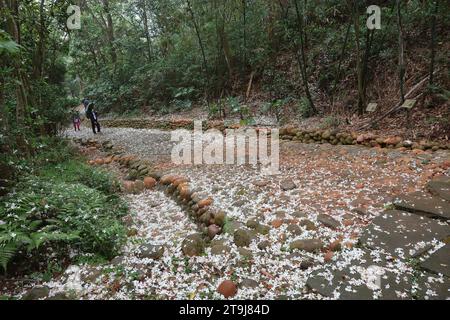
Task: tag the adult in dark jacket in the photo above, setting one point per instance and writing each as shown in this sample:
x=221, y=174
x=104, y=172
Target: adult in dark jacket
x=85, y=103
x=92, y=115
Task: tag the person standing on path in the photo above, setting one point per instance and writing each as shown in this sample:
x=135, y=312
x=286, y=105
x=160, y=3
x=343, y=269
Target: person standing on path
x=76, y=119
x=92, y=115
x=85, y=103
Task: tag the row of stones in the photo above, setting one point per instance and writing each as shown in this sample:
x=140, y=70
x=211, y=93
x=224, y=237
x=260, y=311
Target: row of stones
x=187, y=124
x=370, y=140
x=140, y=178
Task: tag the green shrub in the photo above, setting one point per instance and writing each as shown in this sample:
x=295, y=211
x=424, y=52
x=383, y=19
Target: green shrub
x=43, y=212
x=74, y=171
x=304, y=108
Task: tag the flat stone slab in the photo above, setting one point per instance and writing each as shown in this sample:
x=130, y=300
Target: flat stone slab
x=432, y=287
x=439, y=262
x=423, y=204
x=440, y=187
x=403, y=234
x=367, y=279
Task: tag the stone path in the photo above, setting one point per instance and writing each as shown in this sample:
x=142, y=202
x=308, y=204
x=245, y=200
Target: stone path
x=315, y=231
x=396, y=237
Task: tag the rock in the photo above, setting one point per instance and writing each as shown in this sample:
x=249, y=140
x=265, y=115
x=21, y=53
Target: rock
x=352, y=283
x=242, y=238
x=393, y=141
x=239, y=203
x=249, y=283
x=150, y=251
x=422, y=204
x=263, y=245
x=219, y=218
x=407, y=143
x=217, y=241
x=439, y=262
x=328, y=221
x=205, y=202
x=185, y=193
x=149, y=182
x=335, y=246
x=205, y=217
x=168, y=179
x=180, y=181
x=139, y=186
x=440, y=187
x=326, y=135
x=299, y=214
x=348, y=222
x=306, y=264
x=90, y=275
x=193, y=245
x=252, y=224
x=394, y=230
x=128, y=186
x=117, y=260
x=132, y=232
x=220, y=249
x=245, y=253
x=308, y=224
x=231, y=226
x=59, y=297
x=276, y=223
x=227, y=288
x=37, y=293
x=308, y=245
x=263, y=229
x=280, y=214
x=287, y=185
x=213, y=230
x=328, y=256
x=260, y=183
x=294, y=229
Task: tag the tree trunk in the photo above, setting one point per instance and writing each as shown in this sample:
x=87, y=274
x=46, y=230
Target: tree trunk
x=13, y=29
x=338, y=71
x=359, y=67
x=401, y=52
x=205, y=63
x=244, y=36
x=433, y=40
x=110, y=32
x=365, y=66
x=39, y=56
x=147, y=34
x=302, y=60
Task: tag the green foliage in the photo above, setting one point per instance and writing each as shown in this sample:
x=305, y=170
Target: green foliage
x=60, y=199
x=74, y=171
x=304, y=108
x=8, y=46
x=42, y=212
x=331, y=122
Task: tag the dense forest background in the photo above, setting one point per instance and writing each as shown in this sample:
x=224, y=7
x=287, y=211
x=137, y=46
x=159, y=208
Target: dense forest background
x=240, y=56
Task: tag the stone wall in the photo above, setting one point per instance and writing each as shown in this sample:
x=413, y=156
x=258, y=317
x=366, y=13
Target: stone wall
x=335, y=137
